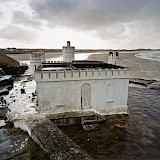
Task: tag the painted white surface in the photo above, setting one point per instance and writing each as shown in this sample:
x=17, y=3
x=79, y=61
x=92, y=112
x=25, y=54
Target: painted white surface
x=113, y=58
x=35, y=60
x=68, y=54
x=61, y=91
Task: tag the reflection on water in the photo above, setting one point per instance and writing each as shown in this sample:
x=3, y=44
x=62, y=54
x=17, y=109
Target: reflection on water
x=136, y=136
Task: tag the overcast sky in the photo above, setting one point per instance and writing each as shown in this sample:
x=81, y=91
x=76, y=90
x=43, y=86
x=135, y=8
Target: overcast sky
x=92, y=24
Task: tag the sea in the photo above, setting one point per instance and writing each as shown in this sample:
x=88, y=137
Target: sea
x=154, y=55
x=125, y=137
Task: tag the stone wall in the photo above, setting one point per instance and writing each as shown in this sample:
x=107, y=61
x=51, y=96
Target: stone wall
x=58, y=145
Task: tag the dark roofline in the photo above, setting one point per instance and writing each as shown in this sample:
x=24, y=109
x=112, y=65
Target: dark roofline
x=84, y=64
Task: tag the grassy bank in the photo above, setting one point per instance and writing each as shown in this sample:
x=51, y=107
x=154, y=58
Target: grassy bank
x=7, y=61
x=11, y=66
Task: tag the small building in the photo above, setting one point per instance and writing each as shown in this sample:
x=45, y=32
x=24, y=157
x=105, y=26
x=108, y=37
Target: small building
x=113, y=57
x=81, y=86
x=36, y=59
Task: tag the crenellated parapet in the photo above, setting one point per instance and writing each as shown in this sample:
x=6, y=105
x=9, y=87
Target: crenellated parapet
x=81, y=74
x=36, y=59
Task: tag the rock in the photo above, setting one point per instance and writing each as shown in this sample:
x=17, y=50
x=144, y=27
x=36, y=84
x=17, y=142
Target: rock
x=155, y=85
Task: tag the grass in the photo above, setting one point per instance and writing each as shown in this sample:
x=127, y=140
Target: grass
x=5, y=60
x=29, y=78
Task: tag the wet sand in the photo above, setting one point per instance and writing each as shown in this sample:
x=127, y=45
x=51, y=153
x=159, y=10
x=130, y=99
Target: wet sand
x=140, y=68
x=26, y=57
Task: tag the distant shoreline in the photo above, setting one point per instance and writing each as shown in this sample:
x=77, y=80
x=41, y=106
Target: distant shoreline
x=140, y=68
x=27, y=51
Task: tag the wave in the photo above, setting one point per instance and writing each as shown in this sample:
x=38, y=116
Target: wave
x=154, y=56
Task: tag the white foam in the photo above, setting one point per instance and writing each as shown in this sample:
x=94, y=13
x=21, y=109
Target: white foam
x=154, y=56
x=2, y=123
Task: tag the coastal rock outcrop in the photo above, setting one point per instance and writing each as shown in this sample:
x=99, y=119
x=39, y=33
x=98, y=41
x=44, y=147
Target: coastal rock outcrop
x=155, y=85
x=11, y=66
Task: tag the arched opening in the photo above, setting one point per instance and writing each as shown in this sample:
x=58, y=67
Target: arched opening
x=85, y=96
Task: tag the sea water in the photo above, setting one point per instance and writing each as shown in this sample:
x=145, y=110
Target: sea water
x=153, y=55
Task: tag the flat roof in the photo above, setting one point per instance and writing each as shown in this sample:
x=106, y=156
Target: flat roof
x=78, y=65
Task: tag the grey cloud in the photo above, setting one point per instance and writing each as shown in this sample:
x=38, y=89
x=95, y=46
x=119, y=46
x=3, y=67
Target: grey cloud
x=17, y=33
x=1, y=14
x=91, y=14
x=6, y=1
x=19, y=17
x=106, y=17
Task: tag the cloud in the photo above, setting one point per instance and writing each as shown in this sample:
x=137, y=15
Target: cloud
x=108, y=18
x=20, y=17
x=17, y=22
x=17, y=33
x=93, y=14
x=123, y=22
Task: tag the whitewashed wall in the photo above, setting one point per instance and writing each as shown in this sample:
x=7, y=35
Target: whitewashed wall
x=113, y=58
x=60, y=91
x=36, y=60
x=68, y=54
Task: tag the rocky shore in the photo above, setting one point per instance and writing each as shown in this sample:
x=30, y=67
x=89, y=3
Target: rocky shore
x=11, y=66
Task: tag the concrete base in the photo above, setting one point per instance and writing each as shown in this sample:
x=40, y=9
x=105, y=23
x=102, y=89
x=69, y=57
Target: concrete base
x=90, y=116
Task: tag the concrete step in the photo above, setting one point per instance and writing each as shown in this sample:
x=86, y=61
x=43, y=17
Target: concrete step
x=91, y=122
x=92, y=119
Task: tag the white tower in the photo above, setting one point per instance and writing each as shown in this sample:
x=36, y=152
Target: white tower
x=68, y=52
x=113, y=57
x=36, y=59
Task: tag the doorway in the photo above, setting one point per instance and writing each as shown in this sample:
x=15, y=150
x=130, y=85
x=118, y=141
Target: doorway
x=85, y=96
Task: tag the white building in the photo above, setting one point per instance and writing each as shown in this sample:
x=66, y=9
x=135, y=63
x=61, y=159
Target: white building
x=68, y=52
x=36, y=59
x=73, y=86
x=113, y=57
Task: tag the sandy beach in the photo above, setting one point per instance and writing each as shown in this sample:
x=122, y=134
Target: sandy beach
x=140, y=68
x=26, y=57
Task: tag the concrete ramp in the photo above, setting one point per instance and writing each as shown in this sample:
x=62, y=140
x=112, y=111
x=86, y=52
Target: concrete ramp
x=58, y=145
